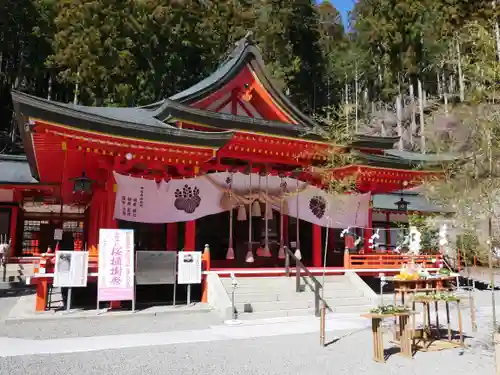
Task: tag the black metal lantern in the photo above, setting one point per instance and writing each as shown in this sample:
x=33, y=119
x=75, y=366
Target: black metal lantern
x=402, y=204
x=82, y=184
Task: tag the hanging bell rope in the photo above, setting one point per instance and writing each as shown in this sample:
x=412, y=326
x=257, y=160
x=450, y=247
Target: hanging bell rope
x=267, y=252
x=249, y=257
x=281, y=252
x=256, y=211
x=297, y=254
x=230, y=250
x=240, y=201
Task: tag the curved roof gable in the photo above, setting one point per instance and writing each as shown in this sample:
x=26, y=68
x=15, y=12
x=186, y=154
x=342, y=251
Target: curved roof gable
x=245, y=53
x=130, y=122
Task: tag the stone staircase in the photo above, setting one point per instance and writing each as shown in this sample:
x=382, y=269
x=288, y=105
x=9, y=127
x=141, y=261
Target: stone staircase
x=15, y=275
x=270, y=297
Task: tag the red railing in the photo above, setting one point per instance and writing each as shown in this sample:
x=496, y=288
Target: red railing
x=384, y=261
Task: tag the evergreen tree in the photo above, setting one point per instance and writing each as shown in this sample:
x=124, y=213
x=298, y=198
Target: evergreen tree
x=93, y=47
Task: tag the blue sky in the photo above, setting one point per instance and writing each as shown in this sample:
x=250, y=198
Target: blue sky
x=343, y=6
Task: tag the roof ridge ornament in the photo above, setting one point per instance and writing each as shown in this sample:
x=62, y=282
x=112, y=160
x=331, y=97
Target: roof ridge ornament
x=238, y=46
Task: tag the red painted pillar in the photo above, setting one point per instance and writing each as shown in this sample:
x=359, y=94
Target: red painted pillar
x=316, y=246
x=190, y=236
x=93, y=222
x=388, y=235
x=13, y=229
x=368, y=231
x=111, y=222
x=172, y=243
x=101, y=223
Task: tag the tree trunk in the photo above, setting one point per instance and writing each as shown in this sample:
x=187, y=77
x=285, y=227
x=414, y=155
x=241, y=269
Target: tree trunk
x=461, y=84
x=346, y=111
x=438, y=80
x=413, y=126
x=496, y=341
x=492, y=275
x=77, y=88
x=49, y=88
x=421, y=112
x=497, y=31
x=400, y=128
x=445, y=94
x=356, y=88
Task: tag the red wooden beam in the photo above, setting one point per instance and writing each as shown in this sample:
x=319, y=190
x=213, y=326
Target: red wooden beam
x=243, y=105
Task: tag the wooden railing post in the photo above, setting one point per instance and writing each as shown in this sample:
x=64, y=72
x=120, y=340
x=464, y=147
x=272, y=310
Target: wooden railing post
x=316, y=300
x=287, y=263
x=317, y=285
x=297, y=277
x=347, y=259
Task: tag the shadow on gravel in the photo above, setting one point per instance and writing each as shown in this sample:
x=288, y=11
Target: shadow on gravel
x=337, y=339
x=15, y=291
x=391, y=351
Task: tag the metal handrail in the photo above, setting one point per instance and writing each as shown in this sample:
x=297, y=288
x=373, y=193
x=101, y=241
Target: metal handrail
x=299, y=266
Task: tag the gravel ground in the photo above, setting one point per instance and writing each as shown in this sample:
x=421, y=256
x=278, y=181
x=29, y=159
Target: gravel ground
x=297, y=355
x=287, y=354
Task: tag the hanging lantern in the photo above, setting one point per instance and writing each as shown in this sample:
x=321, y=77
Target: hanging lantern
x=82, y=184
x=402, y=204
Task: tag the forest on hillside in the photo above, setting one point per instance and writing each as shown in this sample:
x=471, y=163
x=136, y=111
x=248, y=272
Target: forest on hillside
x=134, y=52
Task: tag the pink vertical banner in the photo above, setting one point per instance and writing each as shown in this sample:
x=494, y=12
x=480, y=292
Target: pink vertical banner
x=116, y=265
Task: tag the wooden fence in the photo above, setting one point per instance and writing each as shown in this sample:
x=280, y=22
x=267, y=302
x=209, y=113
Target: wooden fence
x=380, y=261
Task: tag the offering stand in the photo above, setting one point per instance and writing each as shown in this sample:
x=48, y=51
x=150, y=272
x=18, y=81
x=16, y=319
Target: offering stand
x=405, y=288
x=435, y=342
x=405, y=342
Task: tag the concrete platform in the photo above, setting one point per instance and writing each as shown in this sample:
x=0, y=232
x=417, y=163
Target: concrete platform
x=23, y=310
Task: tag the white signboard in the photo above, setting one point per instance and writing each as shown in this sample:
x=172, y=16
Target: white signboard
x=116, y=265
x=58, y=234
x=71, y=269
x=189, y=267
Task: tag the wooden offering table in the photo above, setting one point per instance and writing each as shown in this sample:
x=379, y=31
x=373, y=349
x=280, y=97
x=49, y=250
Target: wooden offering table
x=403, y=288
x=430, y=341
x=405, y=341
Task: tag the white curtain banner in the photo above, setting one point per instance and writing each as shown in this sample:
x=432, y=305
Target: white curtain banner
x=139, y=199
x=146, y=201
x=335, y=211
x=190, y=199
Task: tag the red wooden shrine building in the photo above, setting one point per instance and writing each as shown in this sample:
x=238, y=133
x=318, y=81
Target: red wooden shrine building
x=235, y=119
